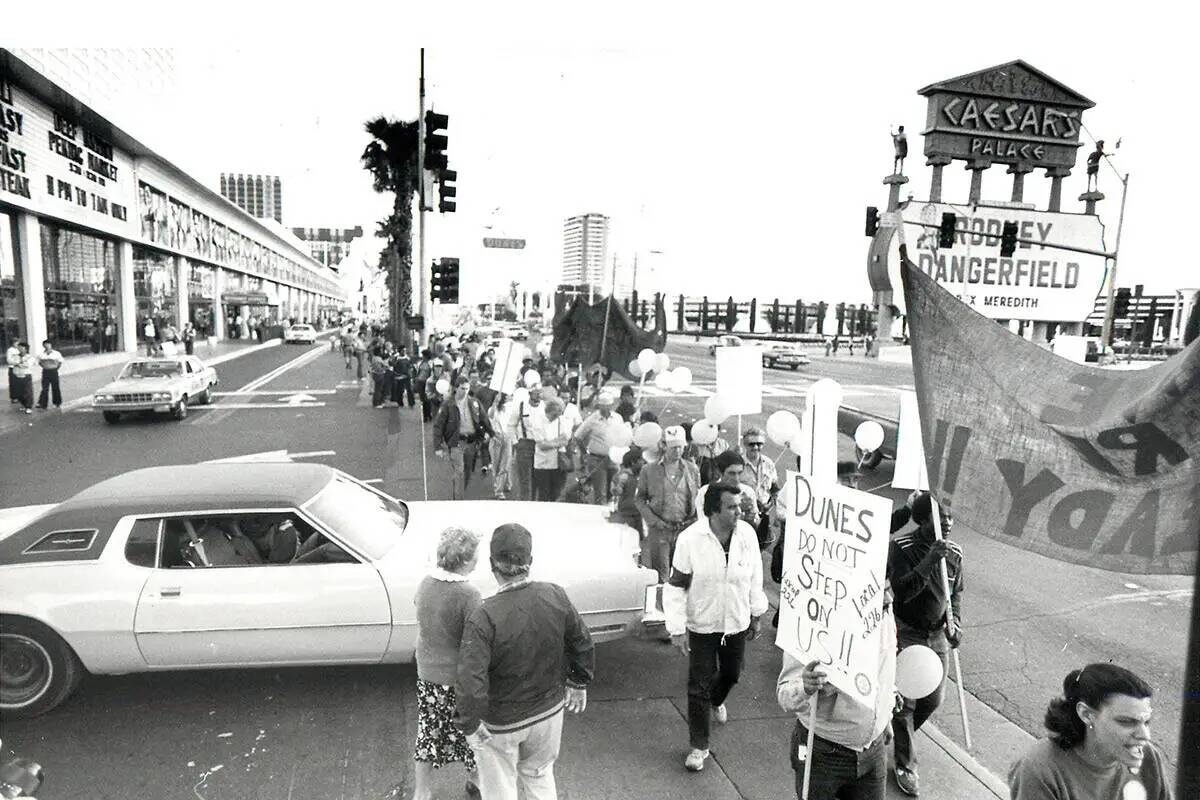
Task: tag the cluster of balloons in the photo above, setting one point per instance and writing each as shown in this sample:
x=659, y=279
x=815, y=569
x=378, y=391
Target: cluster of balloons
x=660, y=364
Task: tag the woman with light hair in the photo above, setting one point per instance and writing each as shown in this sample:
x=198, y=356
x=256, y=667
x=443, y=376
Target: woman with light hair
x=444, y=600
x=550, y=457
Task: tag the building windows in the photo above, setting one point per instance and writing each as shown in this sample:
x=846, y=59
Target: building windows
x=154, y=288
x=82, y=308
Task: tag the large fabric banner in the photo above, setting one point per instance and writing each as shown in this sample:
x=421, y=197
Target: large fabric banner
x=1088, y=465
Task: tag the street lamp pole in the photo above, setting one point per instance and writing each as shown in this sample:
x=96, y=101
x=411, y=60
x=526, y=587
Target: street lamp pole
x=1110, y=304
x=419, y=284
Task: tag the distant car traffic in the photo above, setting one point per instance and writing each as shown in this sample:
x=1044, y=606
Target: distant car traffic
x=724, y=341
x=784, y=354
x=163, y=385
x=300, y=334
x=260, y=565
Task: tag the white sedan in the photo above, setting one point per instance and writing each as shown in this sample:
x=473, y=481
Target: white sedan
x=163, y=385
x=300, y=334
x=260, y=565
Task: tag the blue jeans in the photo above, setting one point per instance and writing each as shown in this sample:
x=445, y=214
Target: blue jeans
x=839, y=773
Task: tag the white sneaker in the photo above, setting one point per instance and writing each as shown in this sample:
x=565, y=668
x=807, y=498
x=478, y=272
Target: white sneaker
x=695, y=760
x=720, y=714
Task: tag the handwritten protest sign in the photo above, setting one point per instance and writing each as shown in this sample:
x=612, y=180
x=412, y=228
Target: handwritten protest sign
x=834, y=568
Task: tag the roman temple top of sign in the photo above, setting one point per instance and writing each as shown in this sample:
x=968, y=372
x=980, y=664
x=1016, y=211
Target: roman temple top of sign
x=1015, y=80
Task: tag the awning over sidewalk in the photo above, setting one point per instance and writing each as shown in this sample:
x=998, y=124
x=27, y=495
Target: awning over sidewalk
x=248, y=299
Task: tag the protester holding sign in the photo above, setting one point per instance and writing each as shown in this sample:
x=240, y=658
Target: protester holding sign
x=1099, y=744
x=713, y=603
x=920, y=609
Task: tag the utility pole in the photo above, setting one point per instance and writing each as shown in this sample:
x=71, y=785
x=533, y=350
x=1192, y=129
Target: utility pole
x=1107, y=330
x=633, y=288
x=419, y=282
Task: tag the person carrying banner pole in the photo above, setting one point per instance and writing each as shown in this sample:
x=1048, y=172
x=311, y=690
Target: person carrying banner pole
x=962, y=696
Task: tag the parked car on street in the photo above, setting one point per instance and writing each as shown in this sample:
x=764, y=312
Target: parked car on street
x=785, y=354
x=238, y=565
x=724, y=341
x=300, y=334
x=163, y=385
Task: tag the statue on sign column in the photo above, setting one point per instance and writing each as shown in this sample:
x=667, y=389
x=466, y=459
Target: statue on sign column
x=900, y=143
x=1093, y=166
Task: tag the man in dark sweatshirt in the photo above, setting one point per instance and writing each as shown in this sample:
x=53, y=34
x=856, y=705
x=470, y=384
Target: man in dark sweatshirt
x=526, y=655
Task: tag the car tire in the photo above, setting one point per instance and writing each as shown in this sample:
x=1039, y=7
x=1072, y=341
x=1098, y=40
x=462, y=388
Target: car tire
x=112, y=417
x=795, y=367
x=31, y=647
x=205, y=397
x=180, y=411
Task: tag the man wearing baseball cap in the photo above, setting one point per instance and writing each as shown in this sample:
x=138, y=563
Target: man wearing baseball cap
x=597, y=435
x=525, y=656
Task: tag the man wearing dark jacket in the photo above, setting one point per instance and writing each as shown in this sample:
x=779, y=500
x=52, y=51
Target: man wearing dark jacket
x=526, y=655
x=460, y=426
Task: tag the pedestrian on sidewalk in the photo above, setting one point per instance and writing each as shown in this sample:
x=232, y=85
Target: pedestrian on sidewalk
x=501, y=447
x=150, y=335
x=920, y=609
x=713, y=604
x=849, y=753
x=189, y=339
x=424, y=370
x=458, y=429
x=445, y=600
x=1098, y=746
x=402, y=374
x=377, y=369
x=550, y=442
x=22, y=369
x=11, y=356
x=51, y=361
x=526, y=419
x=432, y=395
x=596, y=436
x=526, y=656
x=665, y=497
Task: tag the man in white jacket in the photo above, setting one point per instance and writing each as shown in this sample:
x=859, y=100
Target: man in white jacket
x=713, y=601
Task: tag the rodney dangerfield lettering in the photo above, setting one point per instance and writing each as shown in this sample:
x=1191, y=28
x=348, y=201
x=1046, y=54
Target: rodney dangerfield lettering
x=13, y=178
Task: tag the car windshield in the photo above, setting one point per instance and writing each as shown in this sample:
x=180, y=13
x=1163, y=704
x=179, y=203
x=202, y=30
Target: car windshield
x=151, y=369
x=369, y=521
x=302, y=327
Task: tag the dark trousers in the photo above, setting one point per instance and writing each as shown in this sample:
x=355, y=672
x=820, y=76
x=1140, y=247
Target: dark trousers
x=50, y=388
x=839, y=773
x=914, y=713
x=189, y=346
x=425, y=408
x=402, y=388
x=714, y=666
x=522, y=470
x=25, y=391
x=548, y=484
x=14, y=387
x=378, y=388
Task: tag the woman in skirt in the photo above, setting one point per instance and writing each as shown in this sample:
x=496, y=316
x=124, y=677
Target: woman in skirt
x=444, y=602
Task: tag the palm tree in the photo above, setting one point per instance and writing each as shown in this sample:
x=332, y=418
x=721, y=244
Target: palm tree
x=391, y=158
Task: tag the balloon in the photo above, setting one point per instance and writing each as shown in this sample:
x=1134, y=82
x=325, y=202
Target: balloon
x=521, y=395
x=704, y=432
x=617, y=453
x=646, y=359
x=622, y=437
x=798, y=446
x=715, y=410
x=683, y=378
x=662, y=362
x=648, y=435
x=635, y=369
x=782, y=427
x=869, y=436
x=532, y=378
x=443, y=387
x=918, y=671
x=458, y=363
x=650, y=456
x=665, y=381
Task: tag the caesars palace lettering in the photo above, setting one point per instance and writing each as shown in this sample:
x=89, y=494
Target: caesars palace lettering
x=1023, y=119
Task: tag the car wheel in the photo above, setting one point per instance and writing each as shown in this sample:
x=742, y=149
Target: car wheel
x=112, y=417
x=181, y=409
x=205, y=397
x=795, y=367
x=38, y=670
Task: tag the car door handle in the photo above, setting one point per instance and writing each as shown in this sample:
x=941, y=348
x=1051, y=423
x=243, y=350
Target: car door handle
x=169, y=591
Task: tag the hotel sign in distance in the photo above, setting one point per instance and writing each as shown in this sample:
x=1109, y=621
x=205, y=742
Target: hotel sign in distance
x=1009, y=114
x=1038, y=282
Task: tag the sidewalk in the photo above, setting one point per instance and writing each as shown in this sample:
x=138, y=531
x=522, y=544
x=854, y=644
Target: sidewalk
x=80, y=376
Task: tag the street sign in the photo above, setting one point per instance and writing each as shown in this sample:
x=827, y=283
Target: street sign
x=504, y=244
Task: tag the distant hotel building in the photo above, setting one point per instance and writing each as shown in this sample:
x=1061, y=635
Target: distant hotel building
x=260, y=196
x=328, y=245
x=585, y=250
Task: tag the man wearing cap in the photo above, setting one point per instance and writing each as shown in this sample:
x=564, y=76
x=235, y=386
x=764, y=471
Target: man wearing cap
x=527, y=418
x=458, y=428
x=526, y=655
x=597, y=435
x=666, y=498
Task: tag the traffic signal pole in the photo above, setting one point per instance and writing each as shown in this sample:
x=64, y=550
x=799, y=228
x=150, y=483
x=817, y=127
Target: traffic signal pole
x=419, y=273
x=1107, y=331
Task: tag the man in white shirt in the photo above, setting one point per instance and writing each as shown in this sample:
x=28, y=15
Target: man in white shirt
x=527, y=419
x=22, y=370
x=50, y=360
x=11, y=356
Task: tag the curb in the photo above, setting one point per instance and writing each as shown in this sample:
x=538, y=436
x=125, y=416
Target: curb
x=978, y=771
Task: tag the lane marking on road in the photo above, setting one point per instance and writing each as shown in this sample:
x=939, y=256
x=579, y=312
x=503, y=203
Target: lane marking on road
x=269, y=392
x=252, y=406
x=373, y=480
x=305, y=358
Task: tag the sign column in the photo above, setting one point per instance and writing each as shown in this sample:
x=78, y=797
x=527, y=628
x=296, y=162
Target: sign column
x=33, y=283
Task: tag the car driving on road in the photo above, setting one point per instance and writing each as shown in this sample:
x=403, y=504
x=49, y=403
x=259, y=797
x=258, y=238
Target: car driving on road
x=163, y=385
x=784, y=354
x=724, y=341
x=300, y=334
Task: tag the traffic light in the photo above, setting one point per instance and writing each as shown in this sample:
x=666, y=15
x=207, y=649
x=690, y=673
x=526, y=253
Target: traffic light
x=437, y=282
x=1008, y=239
x=436, y=143
x=450, y=280
x=946, y=230
x=1121, y=303
x=447, y=190
x=872, y=220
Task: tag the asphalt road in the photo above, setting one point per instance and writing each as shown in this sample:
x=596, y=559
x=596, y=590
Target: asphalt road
x=346, y=732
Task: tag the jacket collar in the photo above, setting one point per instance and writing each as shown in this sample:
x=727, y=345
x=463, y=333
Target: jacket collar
x=449, y=577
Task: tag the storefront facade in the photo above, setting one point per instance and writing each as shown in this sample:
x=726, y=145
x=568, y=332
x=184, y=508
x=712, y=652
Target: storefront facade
x=99, y=235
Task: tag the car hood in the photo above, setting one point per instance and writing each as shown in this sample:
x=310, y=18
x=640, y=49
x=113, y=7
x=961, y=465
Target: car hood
x=137, y=384
x=13, y=519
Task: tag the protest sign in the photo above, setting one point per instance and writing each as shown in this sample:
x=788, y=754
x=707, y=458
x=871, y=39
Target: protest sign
x=1083, y=464
x=910, y=452
x=831, y=595
x=739, y=379
x=507, y=371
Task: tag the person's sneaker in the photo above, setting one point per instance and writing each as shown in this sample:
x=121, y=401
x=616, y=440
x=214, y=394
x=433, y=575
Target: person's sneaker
x=695, y=760
x=29, y=411
x=906, y=779
x=485, y=470
x=720, y=714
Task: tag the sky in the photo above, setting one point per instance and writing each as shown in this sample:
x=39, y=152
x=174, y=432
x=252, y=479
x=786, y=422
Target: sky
x=741, y=146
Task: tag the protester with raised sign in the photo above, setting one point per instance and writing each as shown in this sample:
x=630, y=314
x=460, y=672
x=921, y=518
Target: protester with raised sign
x=1098, y=745
x=920, y=608
x=713, y=603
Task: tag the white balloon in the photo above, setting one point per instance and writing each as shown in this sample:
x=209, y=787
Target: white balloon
x=798, y=447
x=645, y=359
x=704, y=432
x=715, y=410
x=918, y=671
x=683, y=378
x=662, y=362
x=651, y=456
x=635, y=369
x=869, y=435
x=458, y=363
x=617, y=453
x=783, y=426
x=443, y=386
x=648, y=434
x=521, y=395
x=532, y=378
x=665, y=381
x=829, y=390
x=623, y=436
